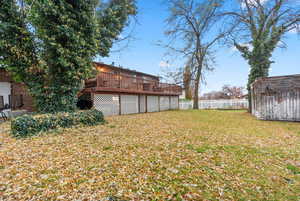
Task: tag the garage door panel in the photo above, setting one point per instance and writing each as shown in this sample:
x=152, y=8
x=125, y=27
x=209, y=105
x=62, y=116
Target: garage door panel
x=129, y=104
x=152, y=104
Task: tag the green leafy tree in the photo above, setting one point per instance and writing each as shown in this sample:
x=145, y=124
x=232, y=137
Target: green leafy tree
x=50, y=44
x=259, y=28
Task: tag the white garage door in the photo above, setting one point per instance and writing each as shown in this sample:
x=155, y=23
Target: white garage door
x=164, y=103
x=129, y=104
x=174, y=102
x=152, y=104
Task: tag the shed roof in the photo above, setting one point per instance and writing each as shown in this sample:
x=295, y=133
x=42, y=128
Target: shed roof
x=285, y=82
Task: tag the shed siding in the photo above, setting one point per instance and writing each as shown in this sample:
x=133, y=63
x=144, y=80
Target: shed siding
x=277, y=98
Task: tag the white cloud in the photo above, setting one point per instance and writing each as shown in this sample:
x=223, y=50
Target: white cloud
x=164, y=64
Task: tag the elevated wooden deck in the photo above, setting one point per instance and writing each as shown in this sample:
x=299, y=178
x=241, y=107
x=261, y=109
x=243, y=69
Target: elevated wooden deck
x=116, y=83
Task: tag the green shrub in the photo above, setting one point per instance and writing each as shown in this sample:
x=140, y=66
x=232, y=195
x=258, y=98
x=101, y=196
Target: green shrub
x=29, y=125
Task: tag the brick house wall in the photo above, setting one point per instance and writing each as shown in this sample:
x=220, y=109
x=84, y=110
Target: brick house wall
x=4, y=76
x=18, y=89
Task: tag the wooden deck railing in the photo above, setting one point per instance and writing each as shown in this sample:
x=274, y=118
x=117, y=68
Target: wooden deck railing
x=118, y=82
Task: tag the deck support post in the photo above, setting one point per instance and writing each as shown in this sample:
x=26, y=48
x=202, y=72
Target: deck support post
x=146, y=105
x=120, y=107
x=139, y=103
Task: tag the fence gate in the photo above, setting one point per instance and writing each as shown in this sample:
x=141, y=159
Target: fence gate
x=152, y=104
x=129, y=104
x=108, y=104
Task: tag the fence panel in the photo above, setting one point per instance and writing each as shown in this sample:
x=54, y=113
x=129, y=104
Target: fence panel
x=216, y=104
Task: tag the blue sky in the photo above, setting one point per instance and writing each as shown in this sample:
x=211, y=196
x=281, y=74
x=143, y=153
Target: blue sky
x=144, y=55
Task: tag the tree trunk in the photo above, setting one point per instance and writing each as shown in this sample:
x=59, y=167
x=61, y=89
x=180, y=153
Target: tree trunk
x=196, y=95
x=250, y=101
x=197, y=83
x=188, y=93
x=54, y=99
x=196, y=90
x=187, y=83
x=259, y=67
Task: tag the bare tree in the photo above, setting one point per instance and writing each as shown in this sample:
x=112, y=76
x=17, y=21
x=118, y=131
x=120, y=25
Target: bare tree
x=227, y=92
x=194, y=30
x=260, y=26
x=232, y=92
x=172, y=75
x=187, y=82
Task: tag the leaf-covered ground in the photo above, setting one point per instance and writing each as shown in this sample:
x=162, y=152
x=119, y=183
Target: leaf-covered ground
x=177, y=155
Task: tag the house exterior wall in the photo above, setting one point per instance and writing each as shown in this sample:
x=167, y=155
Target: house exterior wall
x=4, y=76
x=15, y=90
x=5, y=91
x=121, y=104
x=124, y=72
x=28, y=102
x=108, y=100
x=276, y=98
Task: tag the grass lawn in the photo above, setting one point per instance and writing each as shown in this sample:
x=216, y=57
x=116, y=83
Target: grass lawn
x=177, y=155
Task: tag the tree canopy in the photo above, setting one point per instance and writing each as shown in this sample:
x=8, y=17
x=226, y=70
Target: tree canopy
x=50, y=45
x=259, y=28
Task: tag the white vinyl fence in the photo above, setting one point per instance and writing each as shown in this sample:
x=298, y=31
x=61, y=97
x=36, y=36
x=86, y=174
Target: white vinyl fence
x=216, y=104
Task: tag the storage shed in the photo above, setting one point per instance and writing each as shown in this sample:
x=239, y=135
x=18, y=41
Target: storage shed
x=276, y=98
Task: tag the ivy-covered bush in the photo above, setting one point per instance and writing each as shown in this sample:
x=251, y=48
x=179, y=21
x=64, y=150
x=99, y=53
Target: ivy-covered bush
x=29, y=125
